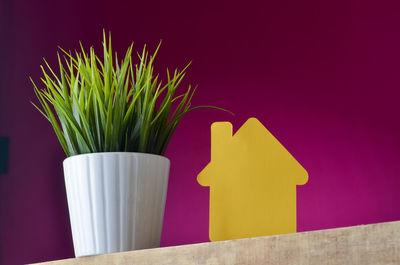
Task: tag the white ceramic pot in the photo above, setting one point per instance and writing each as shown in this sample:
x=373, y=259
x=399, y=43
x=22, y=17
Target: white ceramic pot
x=116, y=201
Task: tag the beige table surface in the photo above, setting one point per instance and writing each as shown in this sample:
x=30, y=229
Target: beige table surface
x=366, y=244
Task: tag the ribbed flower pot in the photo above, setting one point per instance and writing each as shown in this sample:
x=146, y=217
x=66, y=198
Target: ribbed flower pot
x=116, y=201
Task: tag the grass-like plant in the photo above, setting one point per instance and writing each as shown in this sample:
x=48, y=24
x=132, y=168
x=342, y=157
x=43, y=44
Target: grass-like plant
x=105, y=105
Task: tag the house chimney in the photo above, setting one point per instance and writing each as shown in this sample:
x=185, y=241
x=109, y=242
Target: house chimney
x=221, y=134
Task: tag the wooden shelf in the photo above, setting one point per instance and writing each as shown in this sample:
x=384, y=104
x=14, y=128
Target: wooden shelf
x=366, y=244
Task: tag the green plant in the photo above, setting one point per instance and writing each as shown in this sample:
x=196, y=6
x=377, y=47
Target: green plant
x=107, y=106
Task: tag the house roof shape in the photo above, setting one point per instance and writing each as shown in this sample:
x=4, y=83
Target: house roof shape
x=251, y=150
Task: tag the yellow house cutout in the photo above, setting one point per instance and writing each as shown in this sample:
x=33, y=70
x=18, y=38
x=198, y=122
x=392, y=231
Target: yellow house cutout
x=252, y=180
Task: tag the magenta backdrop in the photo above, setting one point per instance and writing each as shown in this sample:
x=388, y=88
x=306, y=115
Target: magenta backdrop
x=323, y=76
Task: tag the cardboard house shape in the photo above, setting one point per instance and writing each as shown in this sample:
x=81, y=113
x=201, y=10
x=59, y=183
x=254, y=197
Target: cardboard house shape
x=252, y=180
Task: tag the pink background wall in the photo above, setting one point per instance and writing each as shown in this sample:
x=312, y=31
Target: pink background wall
x=323, y=76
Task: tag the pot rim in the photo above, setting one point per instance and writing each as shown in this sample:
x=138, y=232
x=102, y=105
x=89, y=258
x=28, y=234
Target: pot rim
x=113, y=153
